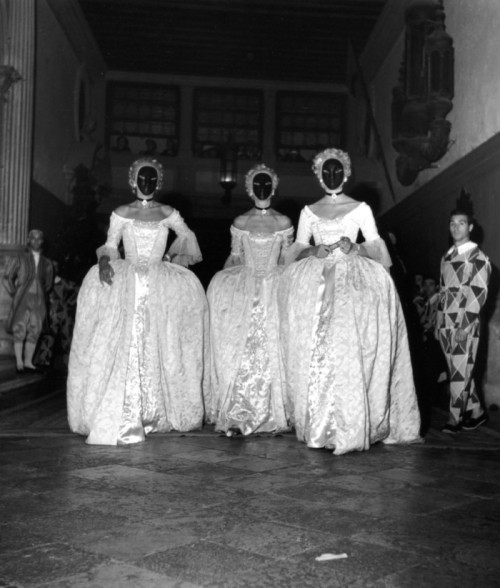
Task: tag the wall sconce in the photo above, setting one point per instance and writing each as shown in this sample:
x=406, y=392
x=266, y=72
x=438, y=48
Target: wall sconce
x=423, y=96
x=228, y=170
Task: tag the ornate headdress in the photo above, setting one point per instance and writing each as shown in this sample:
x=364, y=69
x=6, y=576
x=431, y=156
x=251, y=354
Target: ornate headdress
x=145, y=162
x=464, y=204
x=332, y=153
x=260, y=168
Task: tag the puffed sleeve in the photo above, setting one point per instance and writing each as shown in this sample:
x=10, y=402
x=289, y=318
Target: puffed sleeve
x=303, y=240
x=110, y=248
x=373, y=247
x=236, y=257
x=184, y=250
x=286, y=243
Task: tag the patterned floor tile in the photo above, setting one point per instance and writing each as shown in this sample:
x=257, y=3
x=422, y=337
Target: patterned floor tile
x=45, y=563
x=203, y=563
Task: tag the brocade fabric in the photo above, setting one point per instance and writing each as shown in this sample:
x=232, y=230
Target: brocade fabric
x=246, y=370
x=349, y=376
x=138, y=352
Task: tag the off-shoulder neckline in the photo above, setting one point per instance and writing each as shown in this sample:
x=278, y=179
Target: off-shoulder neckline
x=148, y=222
x=261, y=232
x=337, y=218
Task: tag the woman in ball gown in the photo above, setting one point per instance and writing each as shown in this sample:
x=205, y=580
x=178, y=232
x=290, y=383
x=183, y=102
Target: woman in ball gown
x=246, y=372
x=348, y=369
x=140, y=339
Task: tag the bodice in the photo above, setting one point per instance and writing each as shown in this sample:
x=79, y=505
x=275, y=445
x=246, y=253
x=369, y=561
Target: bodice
x=144, y=242
x=259, y=251
x=329, y=231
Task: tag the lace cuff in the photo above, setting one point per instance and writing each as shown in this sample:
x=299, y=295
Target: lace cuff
x=111, y=252
x=185, y=249
x=376, y=250
x=236, y=255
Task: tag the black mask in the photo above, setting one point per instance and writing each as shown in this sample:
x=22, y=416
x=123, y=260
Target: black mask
x=332, y=174
x=262, y=186
x=147, y=180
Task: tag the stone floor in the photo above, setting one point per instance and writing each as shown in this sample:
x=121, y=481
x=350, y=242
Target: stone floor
x=204, y=510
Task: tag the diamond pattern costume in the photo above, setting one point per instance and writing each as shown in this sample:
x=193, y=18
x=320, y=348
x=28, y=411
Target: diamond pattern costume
x=465, y=275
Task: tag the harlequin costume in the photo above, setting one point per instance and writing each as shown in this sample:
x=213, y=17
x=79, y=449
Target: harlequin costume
x=465, y=274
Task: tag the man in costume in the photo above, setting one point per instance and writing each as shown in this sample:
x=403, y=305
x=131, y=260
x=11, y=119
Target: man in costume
x=465, y=275
x=28, y=279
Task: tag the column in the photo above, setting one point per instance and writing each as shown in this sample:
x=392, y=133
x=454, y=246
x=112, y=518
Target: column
x=16, y=131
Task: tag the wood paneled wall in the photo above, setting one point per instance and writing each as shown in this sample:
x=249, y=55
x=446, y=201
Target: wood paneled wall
x=421, y=220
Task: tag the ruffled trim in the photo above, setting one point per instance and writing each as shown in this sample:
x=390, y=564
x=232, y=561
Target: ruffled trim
x=111, y=252
x=185, y=250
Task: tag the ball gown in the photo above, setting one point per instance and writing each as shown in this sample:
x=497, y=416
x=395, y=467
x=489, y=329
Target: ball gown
x=344, y=340
x=246, y=369
x=138, y=352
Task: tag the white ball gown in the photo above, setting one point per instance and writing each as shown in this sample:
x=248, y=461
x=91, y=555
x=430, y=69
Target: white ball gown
x=348, y=368
x=246, y=370
x=138, y=352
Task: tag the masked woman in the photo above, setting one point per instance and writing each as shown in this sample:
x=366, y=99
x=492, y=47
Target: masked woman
x=246, y=373
x=137, y=357
x=348, y=368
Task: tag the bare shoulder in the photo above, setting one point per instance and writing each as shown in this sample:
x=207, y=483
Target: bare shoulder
x=315, y=205
x=166, y=210
x=345, y=200
x=282, y=221
x=123, y=210
x=318, y=205
x=240, y=221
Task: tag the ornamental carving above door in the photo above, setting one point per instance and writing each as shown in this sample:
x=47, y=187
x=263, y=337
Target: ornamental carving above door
x=423, y=97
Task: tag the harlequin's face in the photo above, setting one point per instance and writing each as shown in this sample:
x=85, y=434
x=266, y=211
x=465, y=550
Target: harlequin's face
x=35, y=241
x=332, y=174
x=147, y=180
x=262, y=186
x=460, y=228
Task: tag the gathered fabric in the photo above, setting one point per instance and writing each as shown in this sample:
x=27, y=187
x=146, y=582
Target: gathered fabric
x=140, y=345
x=349, y=378
x=247, y=376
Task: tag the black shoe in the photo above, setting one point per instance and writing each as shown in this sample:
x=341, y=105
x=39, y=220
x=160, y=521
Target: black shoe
x=451, y=429
x=470, y=424
x=19, y=370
